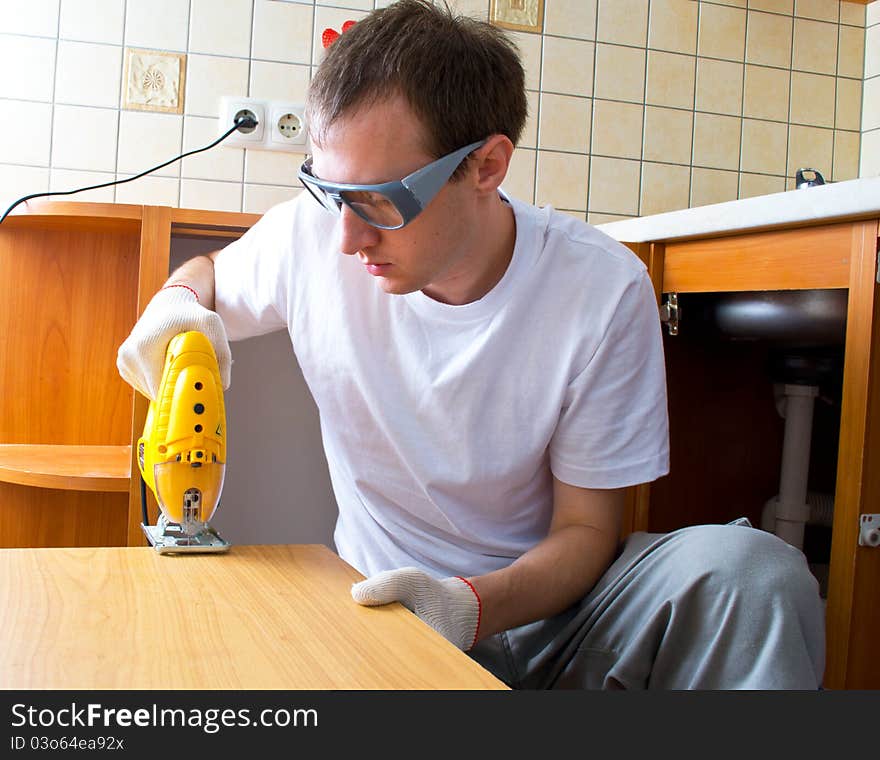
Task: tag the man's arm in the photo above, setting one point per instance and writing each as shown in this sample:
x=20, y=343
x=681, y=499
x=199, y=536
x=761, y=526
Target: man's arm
x=197, y=273
x=547, y=579
x=582, y=541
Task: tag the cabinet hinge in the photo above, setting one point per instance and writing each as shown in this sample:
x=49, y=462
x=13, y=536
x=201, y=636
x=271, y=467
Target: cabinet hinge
x=670, y=313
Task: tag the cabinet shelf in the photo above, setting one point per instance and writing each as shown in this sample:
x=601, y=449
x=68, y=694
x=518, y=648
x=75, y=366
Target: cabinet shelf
x=65, y=467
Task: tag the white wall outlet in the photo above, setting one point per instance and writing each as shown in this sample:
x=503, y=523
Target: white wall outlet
x=286, y=127
x=230, y=107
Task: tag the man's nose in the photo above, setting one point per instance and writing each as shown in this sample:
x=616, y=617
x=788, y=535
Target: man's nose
x=356, y=234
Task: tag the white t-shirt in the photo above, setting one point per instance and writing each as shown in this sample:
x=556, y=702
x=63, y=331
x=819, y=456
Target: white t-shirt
x=442, y=424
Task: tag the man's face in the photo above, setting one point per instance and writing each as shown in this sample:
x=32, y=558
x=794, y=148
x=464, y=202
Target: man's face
x=386, y=142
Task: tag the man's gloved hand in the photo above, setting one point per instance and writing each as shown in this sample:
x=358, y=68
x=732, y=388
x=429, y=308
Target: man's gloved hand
x=174, y=309
x=450, y=606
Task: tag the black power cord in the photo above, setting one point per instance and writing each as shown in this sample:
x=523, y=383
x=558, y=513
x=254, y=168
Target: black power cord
x=242, y=123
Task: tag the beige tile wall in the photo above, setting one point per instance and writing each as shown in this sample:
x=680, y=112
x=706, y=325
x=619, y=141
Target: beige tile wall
x=870, y=152
x=636, y=106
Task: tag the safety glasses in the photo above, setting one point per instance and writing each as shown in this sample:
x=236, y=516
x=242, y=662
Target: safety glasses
x=389, y=205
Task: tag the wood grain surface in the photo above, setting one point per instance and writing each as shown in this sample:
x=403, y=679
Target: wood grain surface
x=259, y=617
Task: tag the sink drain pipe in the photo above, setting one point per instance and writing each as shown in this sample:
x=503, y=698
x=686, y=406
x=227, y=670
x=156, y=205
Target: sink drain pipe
x=787, y=513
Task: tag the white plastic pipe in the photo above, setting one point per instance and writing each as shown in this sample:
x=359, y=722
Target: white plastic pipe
x=792, y=509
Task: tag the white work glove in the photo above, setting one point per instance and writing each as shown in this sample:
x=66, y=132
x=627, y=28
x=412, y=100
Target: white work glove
x=450, y=606
x=174, y=309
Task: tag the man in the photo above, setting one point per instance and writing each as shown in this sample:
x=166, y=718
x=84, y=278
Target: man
x=490, y=379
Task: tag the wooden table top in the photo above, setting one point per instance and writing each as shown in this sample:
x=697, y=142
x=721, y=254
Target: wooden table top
x=259, y=617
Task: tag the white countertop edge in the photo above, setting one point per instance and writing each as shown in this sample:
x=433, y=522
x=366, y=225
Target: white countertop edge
x=838, y=199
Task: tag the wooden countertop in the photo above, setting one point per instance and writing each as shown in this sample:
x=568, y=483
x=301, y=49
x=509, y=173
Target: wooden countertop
x=259, y=617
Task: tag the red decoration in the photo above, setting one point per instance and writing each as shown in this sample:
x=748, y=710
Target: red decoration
x=331, y=35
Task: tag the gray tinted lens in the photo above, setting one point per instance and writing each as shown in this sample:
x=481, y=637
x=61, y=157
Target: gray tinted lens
x=373, y=207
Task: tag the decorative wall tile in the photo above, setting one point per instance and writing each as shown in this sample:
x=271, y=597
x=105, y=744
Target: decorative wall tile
x=92, y=149
x=26, y=132
x=821, y=10
x=567, y=66
x=208, y=78
x=719, y=86
x=665, y=187
x=752, y=185
x=871, y=104
x=562, y=180
x=670, y=80
x=774, y=6
x=88, y=74
x=13, y=180
x=815, y=46
x=149, y=139
x=282, y=31
x=812, y=99
x=65, y=179
x=157, y=24
x=617, y=129
x=279, y=81
x=520, y=179
x=268, y=168
x=220, y=163
x=260, y=198
x=710, y=186
x=766, y=93
x=764, y=145
x=565, y=123
x=769, y=39
x=722, y=32
x=148, y=191
x=846, y=156
x=227, y=33
x=669, y=114
x=809, y=147
x=620, y=73
x=624, y=22
x=871, y=53
x=716, y=141
x=848, y=114
x=852, y=13
x=570, y=18
x=28, y=66
x=869, y=161
x=614, y=185
x=529, y=138
x=204, y=194
x=92, y=20
x=34, y=17
x=673, y=26
x=668, y=135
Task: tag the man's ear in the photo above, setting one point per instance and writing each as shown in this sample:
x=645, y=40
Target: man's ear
x=492, y=161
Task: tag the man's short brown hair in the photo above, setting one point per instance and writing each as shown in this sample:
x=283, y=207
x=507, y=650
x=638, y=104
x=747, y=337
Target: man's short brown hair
x=462, y=78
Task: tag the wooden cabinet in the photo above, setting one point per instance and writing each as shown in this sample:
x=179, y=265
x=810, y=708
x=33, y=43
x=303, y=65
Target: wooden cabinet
x=73, y=279
x=725, y=457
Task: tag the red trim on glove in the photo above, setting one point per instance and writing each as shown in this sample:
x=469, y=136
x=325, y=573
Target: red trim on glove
x=479, y=609
x=180, y=285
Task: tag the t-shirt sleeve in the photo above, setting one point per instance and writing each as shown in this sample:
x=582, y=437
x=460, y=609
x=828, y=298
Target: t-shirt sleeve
x=613, y=428
x=252, y=276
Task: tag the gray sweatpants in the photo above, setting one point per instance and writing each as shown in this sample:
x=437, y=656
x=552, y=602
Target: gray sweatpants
x=704, y=607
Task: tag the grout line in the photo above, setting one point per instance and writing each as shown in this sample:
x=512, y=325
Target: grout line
x=592, y=113
x=742, y=104
x=244, y=153
x=52, y=104
x=790, y=79
x=122, y=86
x=694, y=109
x=644, y=118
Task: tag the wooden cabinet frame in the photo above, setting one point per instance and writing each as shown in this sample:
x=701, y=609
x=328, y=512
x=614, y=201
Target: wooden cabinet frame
x=74, y=277
x=840, y=255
